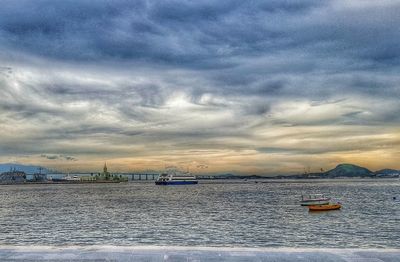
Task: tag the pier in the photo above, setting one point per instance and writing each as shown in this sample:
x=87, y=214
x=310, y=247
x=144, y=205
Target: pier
x=165, y=253
x=130, y=176
x=141, y=176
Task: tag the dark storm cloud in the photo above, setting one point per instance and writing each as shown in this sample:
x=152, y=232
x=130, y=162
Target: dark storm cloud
x=123, y=77
x=183, y=33
x=22, y=110
x=291, y=37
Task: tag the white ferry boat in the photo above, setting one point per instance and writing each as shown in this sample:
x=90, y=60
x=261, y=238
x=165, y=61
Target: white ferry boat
x=174, y=178
x=67, y=178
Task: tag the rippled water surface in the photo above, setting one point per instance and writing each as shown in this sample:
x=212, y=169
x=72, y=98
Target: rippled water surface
x=245, y=214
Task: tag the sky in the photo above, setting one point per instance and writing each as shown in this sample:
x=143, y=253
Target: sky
x=246, y=87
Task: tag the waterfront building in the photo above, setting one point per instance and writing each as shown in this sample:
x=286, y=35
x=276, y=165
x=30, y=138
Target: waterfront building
x=12, y=177
x=105, y=175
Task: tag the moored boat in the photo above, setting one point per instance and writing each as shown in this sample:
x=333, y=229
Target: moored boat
x=67, y=178
x=327, y=207
x=314, y=199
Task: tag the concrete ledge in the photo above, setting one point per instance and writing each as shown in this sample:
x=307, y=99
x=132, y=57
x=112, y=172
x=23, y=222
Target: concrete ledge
x=156, y=253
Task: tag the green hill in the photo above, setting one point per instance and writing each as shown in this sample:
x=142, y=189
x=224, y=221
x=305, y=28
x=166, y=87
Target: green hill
x=348, y=170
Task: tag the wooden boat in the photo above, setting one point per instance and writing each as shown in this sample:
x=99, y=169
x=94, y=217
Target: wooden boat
x=327, y=207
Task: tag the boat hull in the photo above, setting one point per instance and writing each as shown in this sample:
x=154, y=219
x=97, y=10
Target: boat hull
x=315, y=202
x=166, y=183
x=58, y=180
x=324, y=207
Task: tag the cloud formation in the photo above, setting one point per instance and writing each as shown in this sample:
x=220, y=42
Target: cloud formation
x=57, y=157
x=247, y=87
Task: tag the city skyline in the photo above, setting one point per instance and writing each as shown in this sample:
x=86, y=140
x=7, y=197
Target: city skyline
x=216, y=87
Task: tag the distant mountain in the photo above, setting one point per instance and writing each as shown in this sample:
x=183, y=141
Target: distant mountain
x=28, y=169
x=341, y=170
x=387, y=172
x=348, y=170
x=229, y=176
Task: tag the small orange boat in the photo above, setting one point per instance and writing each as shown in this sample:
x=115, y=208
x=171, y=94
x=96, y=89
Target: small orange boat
x=324, y=207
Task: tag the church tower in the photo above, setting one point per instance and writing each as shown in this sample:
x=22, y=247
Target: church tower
x=105, y=168
x=105, y=173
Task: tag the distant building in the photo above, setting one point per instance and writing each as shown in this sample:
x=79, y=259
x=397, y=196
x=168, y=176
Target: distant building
x=106, y=175
x=12, y=177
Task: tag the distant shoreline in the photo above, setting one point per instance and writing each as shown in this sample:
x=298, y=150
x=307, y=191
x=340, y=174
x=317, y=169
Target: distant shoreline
x=65, y=183
x=221, y=181
x=292, y=180
x=298, y=178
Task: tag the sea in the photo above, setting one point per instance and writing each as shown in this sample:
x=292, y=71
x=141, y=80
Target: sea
x=237, y=213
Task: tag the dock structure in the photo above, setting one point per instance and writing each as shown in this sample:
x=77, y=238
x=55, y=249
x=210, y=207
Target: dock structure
x=142, y=176
x=108, y=176
x=166, y=253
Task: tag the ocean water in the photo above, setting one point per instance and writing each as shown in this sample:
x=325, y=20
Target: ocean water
x=245, y=214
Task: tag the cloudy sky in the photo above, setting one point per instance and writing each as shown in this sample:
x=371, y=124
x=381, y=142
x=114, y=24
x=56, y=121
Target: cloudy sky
x=214, y=86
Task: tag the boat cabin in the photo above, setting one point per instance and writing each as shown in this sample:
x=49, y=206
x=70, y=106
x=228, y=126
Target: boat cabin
x=313, y=197
x=164, y=177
